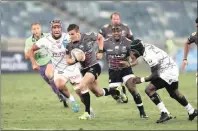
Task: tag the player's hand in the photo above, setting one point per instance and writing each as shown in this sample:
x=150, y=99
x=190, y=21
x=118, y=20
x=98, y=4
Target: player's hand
x=185, y=62
x=35, y=67
x=125, y=63
x=137, y=80
x=99, y=56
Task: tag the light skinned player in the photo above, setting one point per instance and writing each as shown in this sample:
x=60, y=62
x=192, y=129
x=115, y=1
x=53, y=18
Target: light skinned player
x=42, y=58
x=54, y=44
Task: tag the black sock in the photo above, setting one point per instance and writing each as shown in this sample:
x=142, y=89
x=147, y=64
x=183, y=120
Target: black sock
x=111, y=92
x=138, y=100
x=155, y=98
x=182, y=101
x=123, y=89
x=63, y=93
x=86, y=99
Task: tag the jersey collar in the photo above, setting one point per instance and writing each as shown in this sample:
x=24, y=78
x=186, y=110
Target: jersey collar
x=34, y=40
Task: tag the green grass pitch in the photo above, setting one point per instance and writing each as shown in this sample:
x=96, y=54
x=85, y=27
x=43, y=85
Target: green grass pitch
x=27, y=102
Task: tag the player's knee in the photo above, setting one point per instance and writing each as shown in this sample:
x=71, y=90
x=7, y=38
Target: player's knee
x=60, y=84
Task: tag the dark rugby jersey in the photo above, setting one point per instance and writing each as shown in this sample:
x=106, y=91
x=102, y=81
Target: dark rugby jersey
x=106, y=31
x=193, y=38
x=88, y=45
x=116, y=51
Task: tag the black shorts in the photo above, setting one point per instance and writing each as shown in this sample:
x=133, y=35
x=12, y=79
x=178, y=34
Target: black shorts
x=160, y=83
x=116, y=76
x=95, y=70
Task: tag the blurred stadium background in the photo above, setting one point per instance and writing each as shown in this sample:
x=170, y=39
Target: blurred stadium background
x=155, y=22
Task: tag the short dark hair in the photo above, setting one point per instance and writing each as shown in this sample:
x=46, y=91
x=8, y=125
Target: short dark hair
x=196, y=20
x=115, y=13
x=72, y=27
x=35, y=23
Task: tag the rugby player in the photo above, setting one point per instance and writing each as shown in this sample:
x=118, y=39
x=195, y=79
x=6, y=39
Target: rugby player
x=42, y=58
x=54, y=43
x=90, y=66
x=165, y=73
x=106, y=31
x=117, y=50
x=192, y=39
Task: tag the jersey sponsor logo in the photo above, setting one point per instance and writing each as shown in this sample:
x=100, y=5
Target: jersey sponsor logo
x=109, y=50
x=75, y=77
x=59, y=54
x=124, y=49
x=60, y=72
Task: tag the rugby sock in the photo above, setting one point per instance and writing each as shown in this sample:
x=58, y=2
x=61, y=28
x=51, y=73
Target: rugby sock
x=162, y=108
x=71, y=98
x=189, y=109
x=53, y=86
x=123, y=89
x=138, y=101
x=110, y=92
x=156, y=99
x=86, y=99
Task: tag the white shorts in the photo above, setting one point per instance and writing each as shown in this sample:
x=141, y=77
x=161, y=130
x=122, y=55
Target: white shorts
x=71, y=73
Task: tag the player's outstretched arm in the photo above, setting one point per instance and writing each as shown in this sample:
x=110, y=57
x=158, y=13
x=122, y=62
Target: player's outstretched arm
x=186, y=50
x=100, y=41
x=154, y=75
x=34, y=48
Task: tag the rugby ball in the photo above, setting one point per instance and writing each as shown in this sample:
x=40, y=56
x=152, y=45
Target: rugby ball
x=78, y=54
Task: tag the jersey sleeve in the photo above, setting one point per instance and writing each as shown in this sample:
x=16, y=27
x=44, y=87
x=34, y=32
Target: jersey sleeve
x=102, y=31
x=105, y=45
x=151, y=59
x=192, y=38
x=68, y=49
x=27, y=46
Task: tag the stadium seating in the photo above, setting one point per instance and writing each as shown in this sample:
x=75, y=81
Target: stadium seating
x=146, y=19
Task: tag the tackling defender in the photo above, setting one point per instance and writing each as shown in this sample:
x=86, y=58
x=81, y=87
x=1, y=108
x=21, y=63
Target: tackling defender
x=90, y=66
x=191, y=39
x=117, y=50
x=54, y=43
x=42, y=58
x=165, y=73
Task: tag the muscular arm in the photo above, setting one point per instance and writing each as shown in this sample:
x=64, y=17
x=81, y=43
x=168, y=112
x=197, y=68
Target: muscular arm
x=186, y=49
x=31, y=53
x=100, y=41
x=154, y=75
x=27, y=55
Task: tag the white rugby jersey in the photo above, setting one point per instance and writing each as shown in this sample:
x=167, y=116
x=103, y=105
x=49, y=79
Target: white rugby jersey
x=56, y=49
x=169, y=70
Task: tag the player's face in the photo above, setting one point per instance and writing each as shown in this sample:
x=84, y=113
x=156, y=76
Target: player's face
x=116, y=33
x=74, y=35
x=133, y=56
x=115, y=19
x=36, y=30
x=56, y=30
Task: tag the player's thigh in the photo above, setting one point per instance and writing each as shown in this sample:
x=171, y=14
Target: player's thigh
x=91, y=74
x=115, y=78
x=127, y=77
x=75, y=77
x=172, y=89
x=60, y=78
x=154, y=85
x=49, y=72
